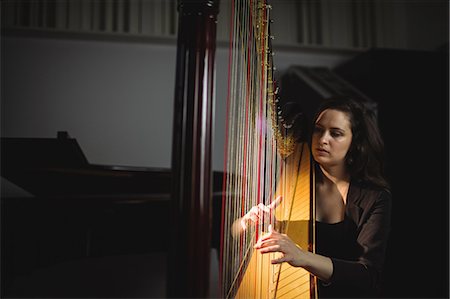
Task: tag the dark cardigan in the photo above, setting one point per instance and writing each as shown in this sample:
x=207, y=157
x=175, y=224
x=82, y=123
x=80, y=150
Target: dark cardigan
x=366, y=229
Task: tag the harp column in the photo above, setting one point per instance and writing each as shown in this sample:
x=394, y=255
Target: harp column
x=189, y=254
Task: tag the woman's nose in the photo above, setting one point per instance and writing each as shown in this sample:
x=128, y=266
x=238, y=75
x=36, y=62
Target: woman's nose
x=323, y=138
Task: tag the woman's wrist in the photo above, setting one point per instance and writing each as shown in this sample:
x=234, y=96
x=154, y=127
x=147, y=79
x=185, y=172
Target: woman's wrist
x=319, y=265
x=305, y=258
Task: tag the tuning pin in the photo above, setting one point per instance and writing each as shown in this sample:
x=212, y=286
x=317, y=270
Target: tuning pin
x=272, y=37
x=277, y=89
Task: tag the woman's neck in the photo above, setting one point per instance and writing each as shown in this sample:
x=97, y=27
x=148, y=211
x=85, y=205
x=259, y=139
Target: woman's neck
x=336, y=179
x=337, y=175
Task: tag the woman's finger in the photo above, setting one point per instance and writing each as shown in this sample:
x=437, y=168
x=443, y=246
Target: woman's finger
x=276, y=202
x=267, y=240
x=263, y=208
x=264, y=243
x=265, y=237
x=279, y=260
x=273, y=248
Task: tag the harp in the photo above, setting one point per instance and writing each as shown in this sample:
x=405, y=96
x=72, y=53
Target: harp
x=265, y=158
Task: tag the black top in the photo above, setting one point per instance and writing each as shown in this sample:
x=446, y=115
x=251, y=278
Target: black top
x=357, y=244
x=336, y=240
x=330, y=239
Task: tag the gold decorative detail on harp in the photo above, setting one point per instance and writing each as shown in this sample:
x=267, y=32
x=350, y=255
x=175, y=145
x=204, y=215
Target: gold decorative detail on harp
x=263, y=160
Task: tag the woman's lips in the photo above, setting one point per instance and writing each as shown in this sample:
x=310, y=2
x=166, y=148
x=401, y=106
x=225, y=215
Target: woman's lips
x=321, y=151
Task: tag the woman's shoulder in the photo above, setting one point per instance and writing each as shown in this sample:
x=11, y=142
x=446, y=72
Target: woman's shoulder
x=369, y=192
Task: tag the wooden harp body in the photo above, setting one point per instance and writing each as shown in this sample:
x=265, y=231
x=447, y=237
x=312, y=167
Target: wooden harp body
x=294, y=218
x=253, y=275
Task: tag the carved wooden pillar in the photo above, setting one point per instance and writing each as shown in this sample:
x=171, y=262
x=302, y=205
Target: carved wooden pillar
x=189, y=255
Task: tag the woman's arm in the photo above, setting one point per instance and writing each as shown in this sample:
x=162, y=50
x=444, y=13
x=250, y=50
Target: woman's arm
x=362, y=273
x=318, y=265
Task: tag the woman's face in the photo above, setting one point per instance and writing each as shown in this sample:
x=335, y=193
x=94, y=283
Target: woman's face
x=332, y=137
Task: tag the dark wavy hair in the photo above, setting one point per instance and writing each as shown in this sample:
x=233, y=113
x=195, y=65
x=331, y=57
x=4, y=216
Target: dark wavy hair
x=365, y=159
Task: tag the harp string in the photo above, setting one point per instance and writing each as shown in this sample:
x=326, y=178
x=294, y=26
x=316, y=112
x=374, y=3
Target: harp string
x=253, y=164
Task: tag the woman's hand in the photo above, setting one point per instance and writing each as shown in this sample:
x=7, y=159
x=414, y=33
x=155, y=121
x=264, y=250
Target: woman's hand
x=273, y=241
x=255, y=215
x=260, y=213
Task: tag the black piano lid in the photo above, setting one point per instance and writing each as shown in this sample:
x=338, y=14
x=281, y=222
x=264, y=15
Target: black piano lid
x=58, y=166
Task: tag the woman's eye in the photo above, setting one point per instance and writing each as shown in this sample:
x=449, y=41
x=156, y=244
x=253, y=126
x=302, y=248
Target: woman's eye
x=336, y=134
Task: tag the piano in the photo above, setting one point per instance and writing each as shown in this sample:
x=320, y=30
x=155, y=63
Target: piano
x=82, y=229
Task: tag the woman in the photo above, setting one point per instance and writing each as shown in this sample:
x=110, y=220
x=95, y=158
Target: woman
x=353, y=205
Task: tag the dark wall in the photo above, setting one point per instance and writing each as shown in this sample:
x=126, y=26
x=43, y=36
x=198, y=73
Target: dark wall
x=411, y=89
